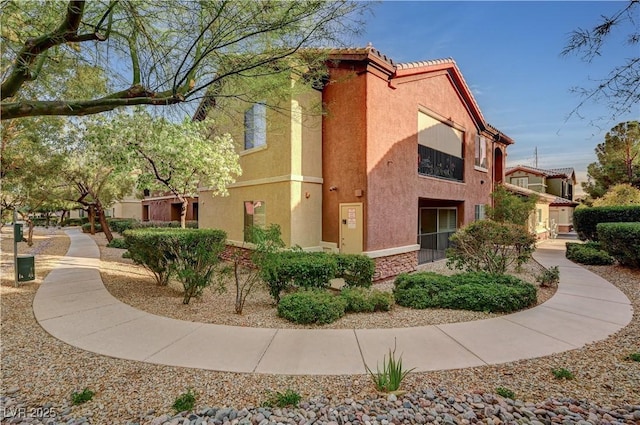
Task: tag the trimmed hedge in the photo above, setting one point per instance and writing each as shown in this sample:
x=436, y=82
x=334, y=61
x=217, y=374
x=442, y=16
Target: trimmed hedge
x=121, y=224
x=588, y=253
x=361, y=300
x=145, y=248
x=117, y=243
x=311, y=306
x=356, y=270
x=621, y=241
x=586, y=220
x=476, y=291
x=287, y=269
x=86, y=228
x=190, y=224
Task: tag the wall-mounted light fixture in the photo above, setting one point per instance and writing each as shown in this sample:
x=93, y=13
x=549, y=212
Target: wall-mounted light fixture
x=332, y=188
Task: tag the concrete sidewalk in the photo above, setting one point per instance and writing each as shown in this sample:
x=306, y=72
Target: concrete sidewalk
x=73, y=305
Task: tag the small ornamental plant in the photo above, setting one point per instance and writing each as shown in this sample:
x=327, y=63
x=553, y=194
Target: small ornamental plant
x=82, y=396
x=562, y=373
x=506, y=393
x=185, y=401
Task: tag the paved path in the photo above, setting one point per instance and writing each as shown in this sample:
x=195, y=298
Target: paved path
x=73, y=305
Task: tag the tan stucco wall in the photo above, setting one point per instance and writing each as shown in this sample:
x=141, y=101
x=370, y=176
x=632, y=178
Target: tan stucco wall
x=127, y=209
x=286, y=174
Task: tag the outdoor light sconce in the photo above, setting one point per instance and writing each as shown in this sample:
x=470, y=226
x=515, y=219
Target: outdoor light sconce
x=332, y=188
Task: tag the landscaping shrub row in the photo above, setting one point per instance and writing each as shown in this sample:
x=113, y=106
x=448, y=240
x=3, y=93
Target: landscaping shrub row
x=189, y=254
x=476, y=291
x=287, y=269
x=586, y=220
x=621, y=241
x=319, y=306
x=122, y=224
x=86, y=228
x=590, y=253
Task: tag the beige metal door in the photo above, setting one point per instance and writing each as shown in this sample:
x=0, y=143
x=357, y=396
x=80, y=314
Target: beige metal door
x=351, y=228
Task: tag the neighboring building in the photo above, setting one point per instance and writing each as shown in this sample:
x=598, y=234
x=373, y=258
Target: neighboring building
x=166, y=207
x=539, y=222
x=401, y=158
x=559, y=182
x=128, y=207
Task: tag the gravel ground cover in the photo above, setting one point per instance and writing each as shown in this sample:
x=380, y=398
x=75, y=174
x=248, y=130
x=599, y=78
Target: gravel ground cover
x=135, y=286
x=39, y=374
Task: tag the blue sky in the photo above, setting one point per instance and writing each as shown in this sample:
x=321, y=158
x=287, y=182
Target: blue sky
x=509, y=54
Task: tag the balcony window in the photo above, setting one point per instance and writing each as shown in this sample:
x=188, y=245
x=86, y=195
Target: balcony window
x=440, y=148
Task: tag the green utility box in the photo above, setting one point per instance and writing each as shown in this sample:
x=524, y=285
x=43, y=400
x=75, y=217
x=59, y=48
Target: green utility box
x=26, y=268
x=17, y=232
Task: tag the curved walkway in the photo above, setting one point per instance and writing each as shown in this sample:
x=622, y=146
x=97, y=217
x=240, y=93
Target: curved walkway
x=73, y=305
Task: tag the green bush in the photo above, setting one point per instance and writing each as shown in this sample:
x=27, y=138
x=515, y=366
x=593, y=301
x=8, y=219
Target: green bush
x=311, y=306
x=82, y=396
x=185, y=401
x=145, y=248
x=621, y=241
x=194, y=257
x=476, y=291
x=121, y=224
x=506, y=393
x=562, y=373
x=486, y=292
x=490, y=246
x=356, y=270
x=361, y=300
x=286, y=269
x=586, y=220
x=117, y=243
x=74, y=221
x=420, y=290
x=549, y=277
x=86, y=228
x=190, y=224
x=588, y=253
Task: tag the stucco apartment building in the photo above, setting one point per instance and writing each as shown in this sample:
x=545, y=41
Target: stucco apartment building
x=401, y=158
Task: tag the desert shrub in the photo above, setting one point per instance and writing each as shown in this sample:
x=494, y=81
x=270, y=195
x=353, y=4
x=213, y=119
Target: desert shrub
x=588, y=253
x=356, y=270
x=117, y=243
x=283, y=399
x=489, y=246
x=121, y=224
x=86, y=228
x=509, y=207
x=311, y=306
x=145, y=248
x=361, y=300
x=621, y=241
x=194, y=257
x=586, y=220
x=549, y=277
x=486, y=292
x=285, y=269
x=185, y=401
x=476, y=291
x=420, y=290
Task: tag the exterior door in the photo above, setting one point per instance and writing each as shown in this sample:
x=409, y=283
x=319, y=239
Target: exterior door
x=351, y=228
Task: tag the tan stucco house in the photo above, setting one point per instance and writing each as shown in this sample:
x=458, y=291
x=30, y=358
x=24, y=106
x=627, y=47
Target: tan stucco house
x=557, y=182
x=401, y=157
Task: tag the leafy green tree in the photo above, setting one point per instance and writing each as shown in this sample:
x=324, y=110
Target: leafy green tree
x=30, y=167
x=93, y=179
x=159, y=52
x=178, y=157
x=620, y=89
x=618, y=160
x=510, y=208
x=620, y=194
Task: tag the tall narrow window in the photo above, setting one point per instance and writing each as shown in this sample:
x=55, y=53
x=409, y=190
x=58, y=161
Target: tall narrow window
x=255, y=126
x=481, y=152
x=480, y=214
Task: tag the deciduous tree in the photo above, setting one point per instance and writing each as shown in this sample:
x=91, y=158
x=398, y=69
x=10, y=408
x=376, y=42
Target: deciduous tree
x=159, y=52
x=620, y=89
